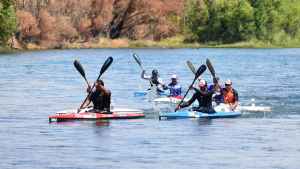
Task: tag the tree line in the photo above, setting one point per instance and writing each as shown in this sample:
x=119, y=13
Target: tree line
x=49, y=22
x=229, y=21
x=55, y=23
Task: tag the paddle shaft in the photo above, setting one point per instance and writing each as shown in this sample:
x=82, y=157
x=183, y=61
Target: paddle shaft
x=89, y=95
x=187, y=92
x=86, y=82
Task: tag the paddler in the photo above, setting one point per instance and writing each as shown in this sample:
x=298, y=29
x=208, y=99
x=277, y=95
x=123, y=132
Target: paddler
x=230, y=95
x=174, y=87
x=218, y=97
x=155, y=80
x=101, y=98
x=204, y=97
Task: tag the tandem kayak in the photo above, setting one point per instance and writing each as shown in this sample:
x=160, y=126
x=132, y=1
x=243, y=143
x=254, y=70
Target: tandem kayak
x=67, y=115
x=195, y=114
x=240, y=108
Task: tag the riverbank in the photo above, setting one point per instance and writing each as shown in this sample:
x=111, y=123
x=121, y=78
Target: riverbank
x=6, y=50
x=174, y=42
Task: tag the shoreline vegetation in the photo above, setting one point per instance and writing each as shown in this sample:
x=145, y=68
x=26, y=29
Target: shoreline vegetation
x=42, y=24
x=173, y=42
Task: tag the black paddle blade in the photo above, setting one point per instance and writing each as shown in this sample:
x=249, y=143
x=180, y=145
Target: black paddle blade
x=210, y=68
x=137, y=59
x=191, y=66
x=79, y=68
x=105, y=65
x=200, y=70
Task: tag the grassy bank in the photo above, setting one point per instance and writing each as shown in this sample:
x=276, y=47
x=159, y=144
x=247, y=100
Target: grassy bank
x=174, y=42
x=6, y=50
x=178, y=42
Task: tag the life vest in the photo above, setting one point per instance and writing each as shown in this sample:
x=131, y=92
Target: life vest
x=229, y=96
x=155, y=81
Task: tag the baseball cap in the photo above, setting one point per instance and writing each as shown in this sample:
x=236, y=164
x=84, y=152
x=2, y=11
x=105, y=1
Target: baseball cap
x=228, y=82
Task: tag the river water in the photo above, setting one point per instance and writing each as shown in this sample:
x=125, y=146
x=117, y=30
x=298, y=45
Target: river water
x=34, y=85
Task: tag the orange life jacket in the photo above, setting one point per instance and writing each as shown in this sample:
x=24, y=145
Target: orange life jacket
x=229, y=96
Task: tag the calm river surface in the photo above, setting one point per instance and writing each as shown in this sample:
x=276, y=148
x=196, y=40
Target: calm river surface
x=34, y=85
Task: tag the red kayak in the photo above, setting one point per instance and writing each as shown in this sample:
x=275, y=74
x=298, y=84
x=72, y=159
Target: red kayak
x=85, y=115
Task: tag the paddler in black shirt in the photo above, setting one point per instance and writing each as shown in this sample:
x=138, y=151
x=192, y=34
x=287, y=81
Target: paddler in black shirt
x=101, y=98
x=204, y=97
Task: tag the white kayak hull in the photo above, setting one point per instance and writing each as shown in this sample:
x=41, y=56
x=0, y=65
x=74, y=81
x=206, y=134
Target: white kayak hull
x=252, y=108
x=240, y=108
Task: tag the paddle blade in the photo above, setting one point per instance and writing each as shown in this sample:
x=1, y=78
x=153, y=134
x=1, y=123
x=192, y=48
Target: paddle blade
x=79, y=68
x=138, y=60
x=106, y=64
x=200, y=71
x=210, y=68
x=191, y=66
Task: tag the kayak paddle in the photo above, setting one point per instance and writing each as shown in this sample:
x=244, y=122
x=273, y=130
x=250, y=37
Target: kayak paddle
x=213, y=73
x=138, y=60
x=191, y=66
x=210, y=68
x=80, y=69
x=200, y=70
x=104, y=67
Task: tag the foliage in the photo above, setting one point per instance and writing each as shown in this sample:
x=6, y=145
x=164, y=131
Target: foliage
x=27, y=25
x=228, y=21
x=7, y=21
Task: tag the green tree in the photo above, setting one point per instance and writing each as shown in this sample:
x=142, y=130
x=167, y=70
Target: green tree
x=195, y=19
x=291, y=23
x=268, y=18
x=220, y=20
x=7, y=21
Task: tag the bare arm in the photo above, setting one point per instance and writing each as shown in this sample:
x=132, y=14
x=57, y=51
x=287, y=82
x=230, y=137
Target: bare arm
x=144, y=76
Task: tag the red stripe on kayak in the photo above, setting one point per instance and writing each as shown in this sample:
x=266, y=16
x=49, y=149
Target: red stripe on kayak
x=95, y=116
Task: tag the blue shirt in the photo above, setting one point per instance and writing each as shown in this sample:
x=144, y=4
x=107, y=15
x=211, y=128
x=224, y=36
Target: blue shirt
x=217, y=96
x=175, y=89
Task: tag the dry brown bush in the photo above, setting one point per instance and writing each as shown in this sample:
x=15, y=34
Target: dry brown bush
x=48, y=29
x=101, y=14
x=67, y=20
x=85, y=28
x=65, y=29
x=27, y=25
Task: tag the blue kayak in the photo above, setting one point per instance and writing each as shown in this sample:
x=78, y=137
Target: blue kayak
x=195, y=114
